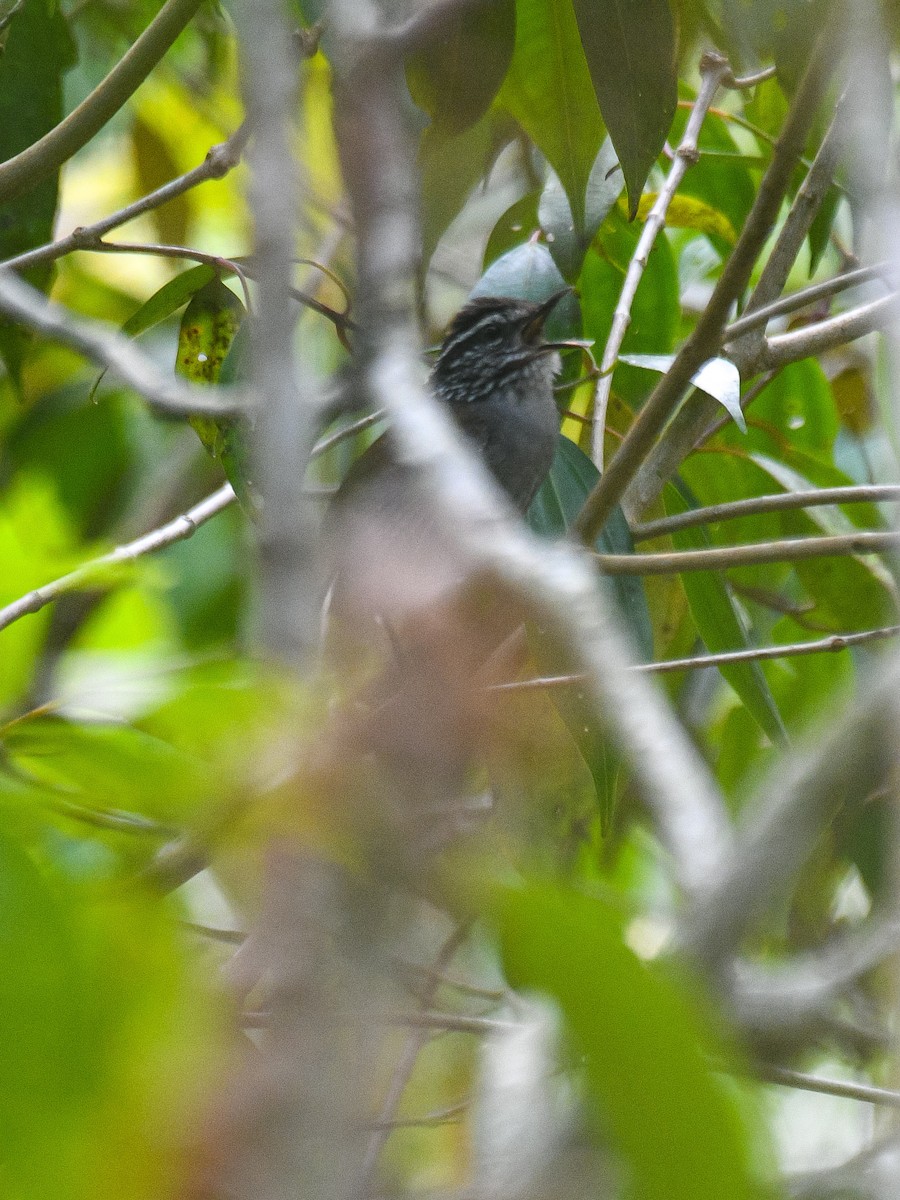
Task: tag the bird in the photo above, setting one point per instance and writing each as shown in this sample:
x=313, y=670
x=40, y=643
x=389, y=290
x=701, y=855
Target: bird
x=406, y=618
x=494, y=374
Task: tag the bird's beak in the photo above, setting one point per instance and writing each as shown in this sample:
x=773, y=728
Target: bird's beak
x=534, y=327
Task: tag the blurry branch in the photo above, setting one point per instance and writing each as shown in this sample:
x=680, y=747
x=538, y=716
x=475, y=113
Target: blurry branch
x=557, y=582
x=869, y=1175
x=832, y=644
x=106, y=347
x=800, y=218
x=784, y=820
x=808, y=295
x=722, y=557
x=218, y=162
x=96, y=572
x=704, y=341
x=790, y=997
x=443, y=1116
x=409, y=1056
x=713, y=70
x=48, y=154
x=753, y=505
x=230, y=266
x=286, y=424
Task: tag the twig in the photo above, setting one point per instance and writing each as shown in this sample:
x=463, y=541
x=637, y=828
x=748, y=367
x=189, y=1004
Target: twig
x=754, y=505
x=453, y=1023
x=713, y=70
x=108, y=348
x=218, y=162
x=786, y=1077
x=832, y=644
x=93, y=572
x=787, y=348
x=443, y=1116
x=720, y=558
x=706, y=337
x=742, y=82
x=415, y=1043
x=807, y=296
x=48, y=154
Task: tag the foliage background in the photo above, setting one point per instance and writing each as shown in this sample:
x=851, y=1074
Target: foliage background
x=222, y=973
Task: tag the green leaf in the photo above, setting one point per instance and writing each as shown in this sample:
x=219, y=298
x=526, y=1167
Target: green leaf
x=721, y=627
x=548, y=90
x=646, y=1045
x=37, y=53
x=552, y=513
x=167, y=300
x=515, y=227
x=154, y=166
x=450, y=166
x=457, y=76
x=567, y=245
x=631, y=55
x=208, y=331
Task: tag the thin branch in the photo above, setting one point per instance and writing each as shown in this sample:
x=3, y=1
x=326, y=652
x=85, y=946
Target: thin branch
x=790, y=347
x=106, y=347
x=48, y=154
x=722, y=557
x=742, y=82
x=809, y=295
x=443, y=1116
x=706, y=337
x=218, y=162
x=831, y=644
x=755, y=505
x=453, y=1023
x=96, y=571
x=713, y=70
x=786, y=1077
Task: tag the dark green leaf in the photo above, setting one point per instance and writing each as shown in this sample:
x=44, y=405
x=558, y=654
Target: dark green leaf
x=516, y=226
x=154, y=166
x=548, y=90
x=567, y=245
x=457, y=76
x=208, y=330
x=552, y=513
x=451, y=167
x=645, y=1045
x=38, y=52
x=631, y=54
x=720, y=626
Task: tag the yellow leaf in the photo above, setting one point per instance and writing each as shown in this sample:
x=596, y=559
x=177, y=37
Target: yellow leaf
x=687, y=212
